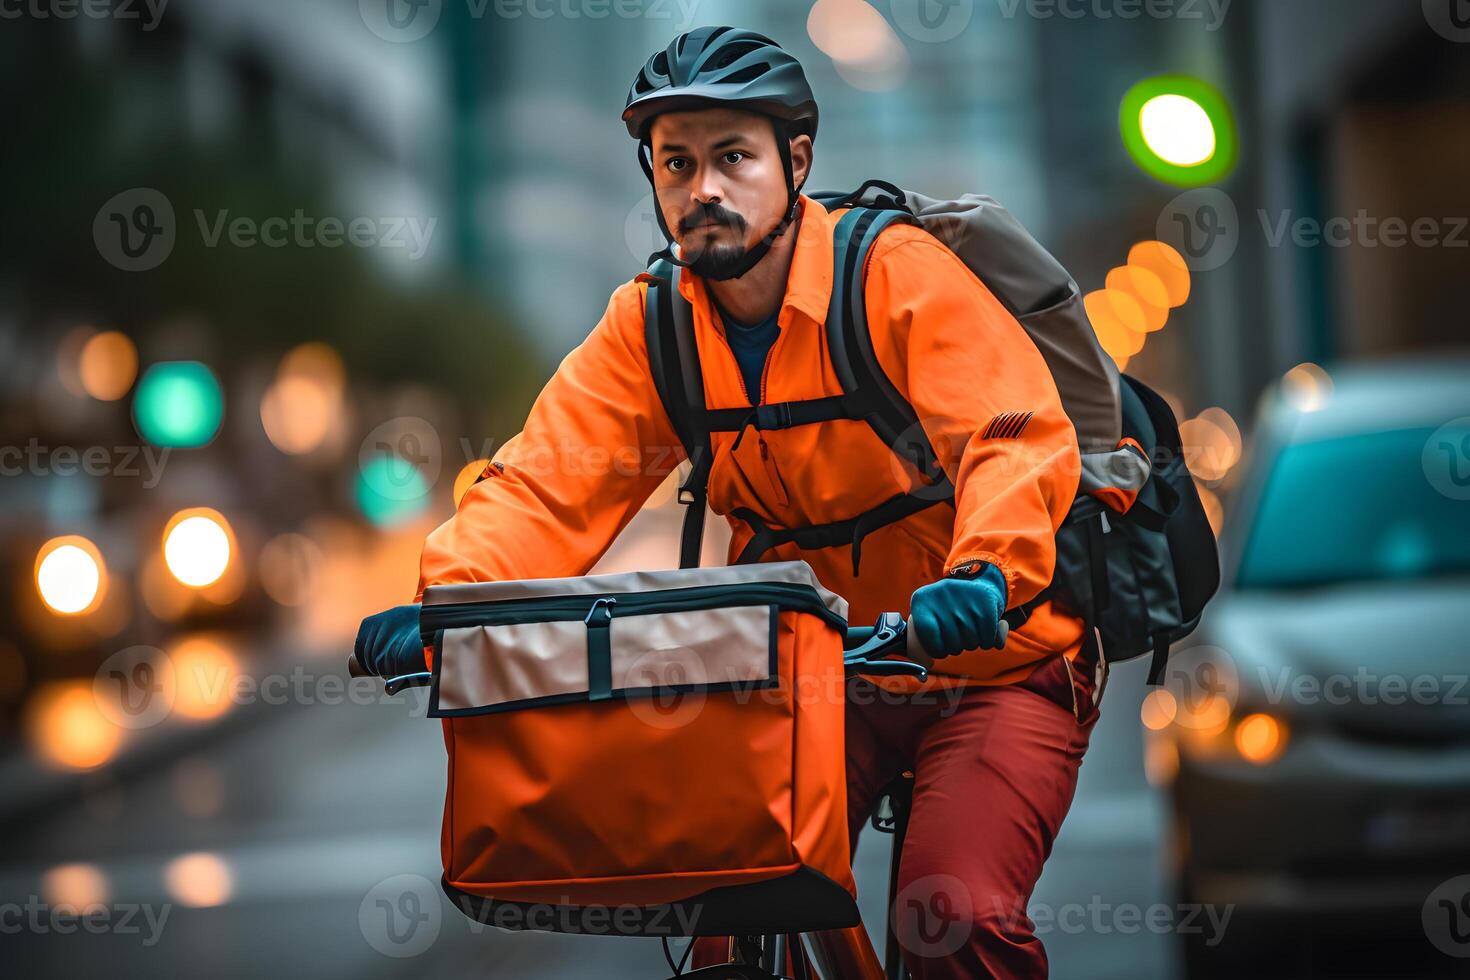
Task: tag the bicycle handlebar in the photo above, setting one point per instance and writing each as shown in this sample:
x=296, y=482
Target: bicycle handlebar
x=866, y=652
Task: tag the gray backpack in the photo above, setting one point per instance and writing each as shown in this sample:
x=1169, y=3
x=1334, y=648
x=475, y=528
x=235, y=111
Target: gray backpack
x=1141, y=577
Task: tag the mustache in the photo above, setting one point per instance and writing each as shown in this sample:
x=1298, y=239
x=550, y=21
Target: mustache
x=706, y=213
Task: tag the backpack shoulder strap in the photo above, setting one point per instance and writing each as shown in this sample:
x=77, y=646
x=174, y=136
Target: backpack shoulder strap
x=887, y=412
x=673, y=360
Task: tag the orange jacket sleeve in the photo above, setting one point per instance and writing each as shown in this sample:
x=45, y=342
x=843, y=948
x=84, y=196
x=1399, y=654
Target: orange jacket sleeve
x=987, y=402
x=594, y=447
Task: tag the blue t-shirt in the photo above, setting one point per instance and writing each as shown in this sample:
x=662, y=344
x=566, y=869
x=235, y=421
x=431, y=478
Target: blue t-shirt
x=751, y=343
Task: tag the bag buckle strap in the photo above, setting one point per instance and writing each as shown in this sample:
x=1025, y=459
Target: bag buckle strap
x=777, y=416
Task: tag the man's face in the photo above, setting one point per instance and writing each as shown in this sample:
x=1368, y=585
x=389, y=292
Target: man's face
x=719, y=181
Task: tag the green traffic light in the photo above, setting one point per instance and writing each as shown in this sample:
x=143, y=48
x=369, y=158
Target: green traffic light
x=1179, y=130
x=178, y=404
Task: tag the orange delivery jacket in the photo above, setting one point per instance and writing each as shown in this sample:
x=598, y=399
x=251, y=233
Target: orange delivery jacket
x=598, y=442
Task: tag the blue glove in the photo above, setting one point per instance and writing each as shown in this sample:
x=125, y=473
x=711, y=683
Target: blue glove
x=388, y=643
x=961, y=612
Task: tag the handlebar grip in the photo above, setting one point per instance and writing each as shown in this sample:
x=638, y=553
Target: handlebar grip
x=355, y=668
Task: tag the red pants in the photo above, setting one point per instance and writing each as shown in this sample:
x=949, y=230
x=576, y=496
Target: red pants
x=994, y=773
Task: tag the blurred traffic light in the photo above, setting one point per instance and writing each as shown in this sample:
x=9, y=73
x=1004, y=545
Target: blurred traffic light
x=1179, y=130
x=178, y=404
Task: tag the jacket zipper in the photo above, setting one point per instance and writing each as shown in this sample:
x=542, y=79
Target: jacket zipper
x=769, y=460
x=773, y=475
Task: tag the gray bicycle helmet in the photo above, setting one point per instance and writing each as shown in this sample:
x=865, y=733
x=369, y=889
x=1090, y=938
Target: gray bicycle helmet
x=723, y=66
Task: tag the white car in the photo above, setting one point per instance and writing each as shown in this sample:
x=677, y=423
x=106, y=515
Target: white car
x=1316, y=745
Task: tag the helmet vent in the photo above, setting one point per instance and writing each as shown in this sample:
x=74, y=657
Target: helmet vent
x=747, y=74
x=661, y=64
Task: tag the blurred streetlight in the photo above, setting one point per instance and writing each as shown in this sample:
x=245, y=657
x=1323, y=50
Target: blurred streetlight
x=109, y=364
x=1165, y=262
x=178, y=404
x=1306, y=387
x=1260, y=739
x=66, y=727
x=303, y=406
x=199, y=880
x=205, y=673
x=197, y=546
x=1179, y=130
x=70, y=575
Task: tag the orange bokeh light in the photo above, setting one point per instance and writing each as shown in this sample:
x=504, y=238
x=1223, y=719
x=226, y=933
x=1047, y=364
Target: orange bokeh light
x=66, y=727
x=108, y=365
x=1165, y=262
x=1260, y=738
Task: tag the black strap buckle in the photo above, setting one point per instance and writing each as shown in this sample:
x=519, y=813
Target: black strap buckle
x=777, y=416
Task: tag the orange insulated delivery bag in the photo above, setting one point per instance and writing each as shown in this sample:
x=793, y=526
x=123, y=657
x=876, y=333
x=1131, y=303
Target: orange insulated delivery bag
x=650, y=741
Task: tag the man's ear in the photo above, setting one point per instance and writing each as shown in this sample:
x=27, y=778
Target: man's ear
x=801, y=159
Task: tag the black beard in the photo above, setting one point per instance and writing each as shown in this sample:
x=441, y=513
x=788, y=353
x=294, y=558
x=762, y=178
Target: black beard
x=718, y=262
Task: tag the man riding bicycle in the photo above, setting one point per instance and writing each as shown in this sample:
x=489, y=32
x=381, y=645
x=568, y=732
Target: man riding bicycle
x=726, y=122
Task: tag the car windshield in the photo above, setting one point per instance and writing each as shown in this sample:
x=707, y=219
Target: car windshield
x=1357, y=508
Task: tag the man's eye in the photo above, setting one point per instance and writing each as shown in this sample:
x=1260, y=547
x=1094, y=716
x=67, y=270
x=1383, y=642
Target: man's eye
x=736, y=154
x=676, y=164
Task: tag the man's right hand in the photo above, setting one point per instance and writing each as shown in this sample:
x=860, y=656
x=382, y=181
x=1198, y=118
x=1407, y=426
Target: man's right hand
x=388, y=643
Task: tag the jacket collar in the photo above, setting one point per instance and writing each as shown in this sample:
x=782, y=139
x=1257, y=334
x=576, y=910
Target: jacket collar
x=809, y=281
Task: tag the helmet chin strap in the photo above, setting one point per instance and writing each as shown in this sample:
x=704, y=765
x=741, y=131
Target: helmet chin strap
x=752, y=255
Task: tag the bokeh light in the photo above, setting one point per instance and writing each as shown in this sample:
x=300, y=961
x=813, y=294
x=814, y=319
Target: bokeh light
x=303, y=406
x=66, y=728
x=1158, y=710
x=410, y=488
x=205, y=672
x=108, y=366
x=1306, y=387
x=1179, y=130
x=1147, y=289
x=69, y=358
x=290, y=566
x=1165, y=262
x=78, y=885
x=466, y=478
x=1118, y=321
x=1260, y=738
x=1208, y=450
x=197, y=546
x=70, y=575
x=178, y=404
x=199, y=880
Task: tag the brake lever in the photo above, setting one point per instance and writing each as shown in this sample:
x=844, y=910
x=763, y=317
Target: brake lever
x=394, y=685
